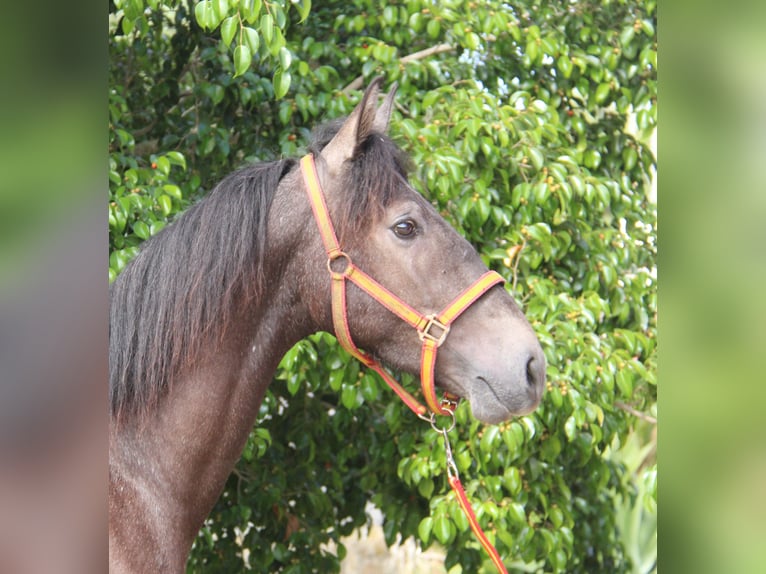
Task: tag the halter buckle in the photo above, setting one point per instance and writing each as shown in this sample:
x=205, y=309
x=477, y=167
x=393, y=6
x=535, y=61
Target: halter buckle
x=427, y=334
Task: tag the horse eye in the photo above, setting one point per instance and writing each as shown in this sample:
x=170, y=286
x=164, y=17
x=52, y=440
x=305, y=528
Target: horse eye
x=405, y=228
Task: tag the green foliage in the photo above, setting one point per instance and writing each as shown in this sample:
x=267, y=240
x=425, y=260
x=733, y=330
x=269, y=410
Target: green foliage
x=517, y=119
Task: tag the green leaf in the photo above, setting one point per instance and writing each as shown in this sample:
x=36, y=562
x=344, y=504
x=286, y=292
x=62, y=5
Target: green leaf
x=173, y=191
x=505, y=537
x=592, y=158
x=565, y=66
x=201, y=13
x=482, y=207
x=228, y=29
x=369, y=387
x=293, y=384
x=242, y=59
x=416, y=22
x=570, y=428
x=536, y=157
x=443, y=529
x=472, y=41
x=624, y=381
x=578, y=187
x=643, y=119
x=350, y=397
x=629, y=158
x=303, y=7
x=285, y=58
x=426, y=487
x=281, y=83
x=141, y=230
x=166, y=205
x=487, y=443
x=516, y=513
x=626, y=36
x=251, y=9
x=163, y=165
x=539, y=231
x=430, y=98
x=424, y=529
x=602, y=93
x=176, y=158
x=220, y=9
x=647, y=27
x=156, y=226
x=267, y=29
x=277, y=43
x=532, y=51
x=389, y=15
x=252, y=39
x=285, y=112
x=433, y=28
x=514, y=437
x=217, y=93
x=512, y=480
x=336, y=379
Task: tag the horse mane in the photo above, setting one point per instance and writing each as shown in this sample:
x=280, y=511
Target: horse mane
x=189, y=281
x=183, y=285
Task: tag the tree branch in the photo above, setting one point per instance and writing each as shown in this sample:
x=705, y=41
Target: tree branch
x=635, y=413
x=438, y=49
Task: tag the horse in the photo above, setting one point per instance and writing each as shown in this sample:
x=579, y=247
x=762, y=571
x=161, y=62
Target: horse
x=201, y=317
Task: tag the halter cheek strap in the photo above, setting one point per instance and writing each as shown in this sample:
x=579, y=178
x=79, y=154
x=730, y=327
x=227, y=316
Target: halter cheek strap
x=432, y=329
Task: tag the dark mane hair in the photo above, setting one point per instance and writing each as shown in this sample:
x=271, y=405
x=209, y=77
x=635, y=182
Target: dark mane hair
x=180, y=289
x=185, y=286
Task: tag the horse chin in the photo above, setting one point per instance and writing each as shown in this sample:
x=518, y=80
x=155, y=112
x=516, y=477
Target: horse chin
x=489, y=408
x=490, y=414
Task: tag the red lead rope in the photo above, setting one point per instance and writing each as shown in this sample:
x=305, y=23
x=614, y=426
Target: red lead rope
x=432, y=330
x=462, y=498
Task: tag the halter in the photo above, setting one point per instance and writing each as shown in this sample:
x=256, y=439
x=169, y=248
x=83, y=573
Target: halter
x=432, y=329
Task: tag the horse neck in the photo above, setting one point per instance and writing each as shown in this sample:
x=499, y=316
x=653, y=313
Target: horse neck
x=177, y=459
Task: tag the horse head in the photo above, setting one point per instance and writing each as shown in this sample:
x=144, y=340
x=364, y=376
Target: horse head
x=491, y=355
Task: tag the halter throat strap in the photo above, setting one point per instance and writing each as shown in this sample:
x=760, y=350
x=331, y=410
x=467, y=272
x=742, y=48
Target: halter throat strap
x=432, y=329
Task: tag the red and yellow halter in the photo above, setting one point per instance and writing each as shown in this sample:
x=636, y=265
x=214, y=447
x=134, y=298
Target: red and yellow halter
x=432, y=329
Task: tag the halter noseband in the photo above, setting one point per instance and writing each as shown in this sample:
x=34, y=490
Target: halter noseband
x=432, y=329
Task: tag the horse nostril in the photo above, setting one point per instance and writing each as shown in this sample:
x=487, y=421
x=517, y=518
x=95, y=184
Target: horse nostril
x=535, y=372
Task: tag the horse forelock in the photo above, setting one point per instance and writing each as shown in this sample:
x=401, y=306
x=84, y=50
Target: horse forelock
x=378, y=172
x=186, y=285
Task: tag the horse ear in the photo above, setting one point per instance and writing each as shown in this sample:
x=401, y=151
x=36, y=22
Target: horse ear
x=383, y=115
x=356, y=128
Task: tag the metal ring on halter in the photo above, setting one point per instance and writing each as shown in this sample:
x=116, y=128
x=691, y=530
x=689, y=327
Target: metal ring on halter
x=346, y=271
x=451, y=465
x=431, y=418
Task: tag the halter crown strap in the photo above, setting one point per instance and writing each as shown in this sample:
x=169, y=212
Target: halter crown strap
x=339, y=318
